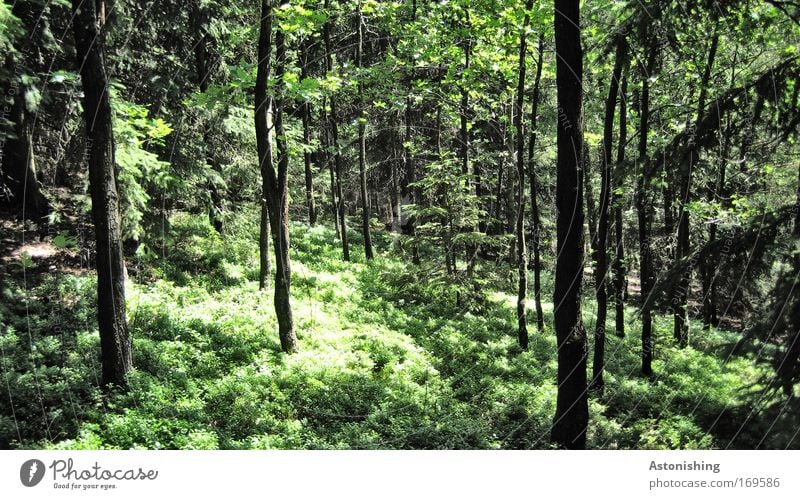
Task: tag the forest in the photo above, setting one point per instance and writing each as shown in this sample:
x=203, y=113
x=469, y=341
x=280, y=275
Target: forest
x=400, y=224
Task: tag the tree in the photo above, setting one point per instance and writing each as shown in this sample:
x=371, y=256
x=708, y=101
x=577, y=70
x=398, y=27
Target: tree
x=534, y=185
x=681, y=324
x=619, y=227
x=600, y=284
x=362, y=141
x=643, y=206
x=522, y=252
x=572, y=411
x=305, y=48
x=276, y=183
x=341, y=207
x=115, y=342
x=204, y=68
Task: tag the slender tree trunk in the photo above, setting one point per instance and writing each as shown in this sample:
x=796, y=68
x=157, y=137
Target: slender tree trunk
x=619, y=260
x=600, y=284
x=708, y=268
x=464, y=135
x=307, y=155
x=408, y=158
x=522, y=252
x=341, y=207
x=591, y=212
x=681, y=324
x=280, y=210
x=407, y=188
x=645, y=216
x=263, y=107
x=326, y=143
x=203, y=69
x=572, y=412
x=362, y=141
x=276, y=185
x=115, y=342
x=537, y=286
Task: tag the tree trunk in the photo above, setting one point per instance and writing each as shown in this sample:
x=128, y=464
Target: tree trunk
x=115, y=342
x=572, y=412
x=203, y=70
x=645, y=216
x=788, y=366
x=263, y=106
x=601, y=245
x=326, y=143
x=681, y=324
x=341, y=207
x=362, y=141
x=586, y=169
x=276, y=185
x=537, y=286
x=522, y=252
x=619, y=259
x=307, y=155
x=409, y=168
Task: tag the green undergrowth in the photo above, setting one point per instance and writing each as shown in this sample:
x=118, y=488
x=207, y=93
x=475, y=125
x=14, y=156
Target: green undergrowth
x=392, y=356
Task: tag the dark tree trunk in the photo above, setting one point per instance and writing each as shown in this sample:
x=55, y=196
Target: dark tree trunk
x=601, y=245
x=522, y=252
x=464, y=134
x=788, y=367
x=681, y=324
x=645, y=216
x=619, y=259
x=535, y=219
x=588, y=189
x=115, y=342
x=263, y=106
x=341, y=207
x=362, y=142
x=409, y=168
x=277, y=185
x=307, y=155
x=572, y=412
x=326, y=143
x=203, y=69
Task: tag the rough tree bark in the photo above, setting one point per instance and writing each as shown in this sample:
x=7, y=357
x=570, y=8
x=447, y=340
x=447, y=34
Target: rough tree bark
x=572, y=412
x=115, y=342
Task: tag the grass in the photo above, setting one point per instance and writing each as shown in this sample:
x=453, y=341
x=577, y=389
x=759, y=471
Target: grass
x=390, y=358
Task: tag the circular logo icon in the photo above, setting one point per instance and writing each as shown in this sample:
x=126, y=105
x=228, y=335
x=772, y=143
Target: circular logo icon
x=31, y=472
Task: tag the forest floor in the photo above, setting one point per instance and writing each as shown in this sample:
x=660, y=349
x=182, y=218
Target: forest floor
x=392, y=356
